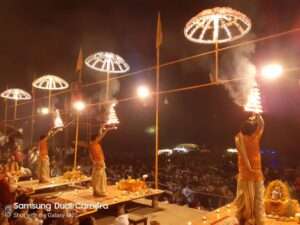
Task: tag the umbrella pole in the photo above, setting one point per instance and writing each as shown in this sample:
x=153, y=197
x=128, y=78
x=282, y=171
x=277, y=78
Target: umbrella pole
x=76, y=141
x=49, y=101
x=216, y=77
x=5, y=115
x=107, y=86
x=15, y=110
x=156, y=178
x=32, y=117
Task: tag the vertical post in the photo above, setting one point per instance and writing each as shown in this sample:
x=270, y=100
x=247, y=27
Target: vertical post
x=67, y=113
x=78, y=69
x=15, y=109
x=5, y=115
x=76, y=141
x=158, y=44
x=157, y=115
x=88, y=126
x=32, y=117
x=49, y=101
x=216, y=75
x=107, y=86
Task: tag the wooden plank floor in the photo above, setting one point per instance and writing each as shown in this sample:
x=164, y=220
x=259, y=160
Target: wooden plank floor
x=54, y=182
x=84, y=198
x=216, y=217
x=114, y=196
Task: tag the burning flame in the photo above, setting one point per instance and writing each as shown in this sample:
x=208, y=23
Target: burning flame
x=254, y=101
x=113, y=120
x=58, y=123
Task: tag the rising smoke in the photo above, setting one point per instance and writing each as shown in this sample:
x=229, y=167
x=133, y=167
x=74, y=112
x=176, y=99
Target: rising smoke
x=237, y=64
x=114, y=88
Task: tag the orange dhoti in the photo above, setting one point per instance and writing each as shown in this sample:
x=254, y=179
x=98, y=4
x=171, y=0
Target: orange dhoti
x=43, y=169
x=249, y=202
x=99, y=179
x=98, y=174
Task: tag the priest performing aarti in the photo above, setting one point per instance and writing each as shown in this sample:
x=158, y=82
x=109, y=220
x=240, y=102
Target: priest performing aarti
x=99, y=182
x=43, y=163
x=250, y=189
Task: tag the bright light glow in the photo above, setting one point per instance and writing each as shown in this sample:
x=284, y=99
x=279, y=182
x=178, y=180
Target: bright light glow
x=58, y=123
x=217, y=25
x=150, y=130
x=113, y=120
x=79, y=105
x=254, y=101
x=272, y=71
x=232, y=150
x=50, y=82
x=143, y=92
x=180, y=149
x=43, y=110
x=107, y=62
x=165, y=151
x=16, y=94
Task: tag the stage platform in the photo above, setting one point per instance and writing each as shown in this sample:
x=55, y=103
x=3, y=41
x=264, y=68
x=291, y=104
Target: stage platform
x=224, y=215
x=84, y=197
x=172, y=214
x=59, y=181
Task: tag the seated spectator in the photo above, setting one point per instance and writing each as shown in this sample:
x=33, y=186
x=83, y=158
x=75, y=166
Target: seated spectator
x=88, y=221
x=121, y=220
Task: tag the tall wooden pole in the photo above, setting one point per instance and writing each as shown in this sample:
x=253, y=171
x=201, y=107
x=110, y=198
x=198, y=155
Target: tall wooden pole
x=77, y=114
x=157, y=116
x=158, y=43
x=32, y=117
x=88, y=132
x=76, y=141
x=5, y=115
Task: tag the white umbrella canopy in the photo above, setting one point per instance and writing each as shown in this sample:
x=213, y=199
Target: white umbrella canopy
x=16, y=94
x=50, y=82
x=107, y=62
x=217, y=25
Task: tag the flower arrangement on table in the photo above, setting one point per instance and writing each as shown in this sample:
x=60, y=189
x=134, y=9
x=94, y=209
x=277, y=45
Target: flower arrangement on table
x=131, y=185
x=73, y=175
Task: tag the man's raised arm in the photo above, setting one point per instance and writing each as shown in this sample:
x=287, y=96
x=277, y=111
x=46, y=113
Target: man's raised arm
x=261, y=124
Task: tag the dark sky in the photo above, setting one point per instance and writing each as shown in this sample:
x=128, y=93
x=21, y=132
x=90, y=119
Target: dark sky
x=39, y=37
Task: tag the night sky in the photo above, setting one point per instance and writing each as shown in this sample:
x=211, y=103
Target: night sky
x=39, y=37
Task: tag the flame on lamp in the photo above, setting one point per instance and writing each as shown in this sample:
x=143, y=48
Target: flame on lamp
x=113, y=120
x=58, y=123
x=254, y=101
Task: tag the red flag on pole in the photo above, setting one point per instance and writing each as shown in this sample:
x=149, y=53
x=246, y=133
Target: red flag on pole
x=79, y=63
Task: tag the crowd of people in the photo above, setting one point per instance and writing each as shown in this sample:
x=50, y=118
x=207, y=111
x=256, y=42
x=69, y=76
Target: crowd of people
x=188, y=179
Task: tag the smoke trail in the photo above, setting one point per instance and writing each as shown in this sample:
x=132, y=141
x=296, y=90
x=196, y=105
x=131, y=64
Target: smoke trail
x=237, y=63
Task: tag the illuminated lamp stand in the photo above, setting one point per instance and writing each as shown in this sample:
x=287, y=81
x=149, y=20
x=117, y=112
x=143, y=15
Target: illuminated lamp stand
x=254, y=101
x=108, y=63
